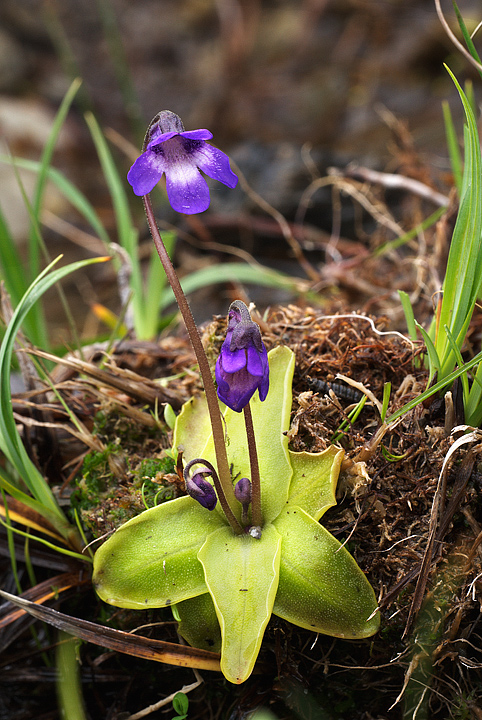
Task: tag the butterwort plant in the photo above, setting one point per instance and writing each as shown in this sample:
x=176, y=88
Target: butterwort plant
x=245, y=542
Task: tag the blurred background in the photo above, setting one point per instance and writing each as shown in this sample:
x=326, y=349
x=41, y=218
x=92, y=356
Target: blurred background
x=288, y=88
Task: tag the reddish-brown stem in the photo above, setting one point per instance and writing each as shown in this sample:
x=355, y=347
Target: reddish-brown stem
x=224, y=473
x=219, y=491
x=256, y=515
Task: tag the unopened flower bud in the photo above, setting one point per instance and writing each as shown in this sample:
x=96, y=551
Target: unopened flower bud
x=242, y=366
x=242, y=491
x=201, y=490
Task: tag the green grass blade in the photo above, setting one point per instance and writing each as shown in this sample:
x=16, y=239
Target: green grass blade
x=406, y=237
x=64, y=51
x=36, y=322
x=122, y=68
x=45, y=161
x=387, y=389
x=127, y=232
x=453, y=147
x=232, y=272
x=409, y=316
x=11, y=265
x=473, y=408
x=466, y=36
x=433, y=358
x=28, y=500
x=433, y=389
x=460, y=362
x=68, y=190
x=10, y=441
x=156, y=284
x=463, y=276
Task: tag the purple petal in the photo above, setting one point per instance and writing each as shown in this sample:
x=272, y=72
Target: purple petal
x=223, y=387
x=238, y=391
x=215, y=163
x=233, y=361
x=197, y=134
x=255, y=364
x=146, y=172
x=186, y=189
x=157, y=138
x=264, y=387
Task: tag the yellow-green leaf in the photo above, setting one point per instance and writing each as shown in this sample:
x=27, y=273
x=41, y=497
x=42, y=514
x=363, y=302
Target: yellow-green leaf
x=151, y=561
x=199, y=623
x=321, y=587
x=193, y=428
x=313, y=484
x=242, y=577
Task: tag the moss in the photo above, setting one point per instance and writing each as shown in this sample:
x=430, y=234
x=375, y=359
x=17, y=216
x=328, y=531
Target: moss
x=131, y=473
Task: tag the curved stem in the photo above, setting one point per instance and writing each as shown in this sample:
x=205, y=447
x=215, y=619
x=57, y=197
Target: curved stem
x=219, y=490
x=211, y=395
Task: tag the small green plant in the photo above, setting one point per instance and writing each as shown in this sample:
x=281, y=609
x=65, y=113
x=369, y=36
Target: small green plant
x=226, y=585
x=462, y=285
x=180, y=703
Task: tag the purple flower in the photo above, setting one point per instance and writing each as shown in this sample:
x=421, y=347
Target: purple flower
x=242, y=366
x=201, y=490
x=180, y=155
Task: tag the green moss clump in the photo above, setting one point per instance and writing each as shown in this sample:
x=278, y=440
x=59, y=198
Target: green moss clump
x=131, y=473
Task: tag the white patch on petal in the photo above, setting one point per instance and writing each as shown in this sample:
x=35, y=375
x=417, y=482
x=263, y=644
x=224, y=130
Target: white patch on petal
x=186, y=188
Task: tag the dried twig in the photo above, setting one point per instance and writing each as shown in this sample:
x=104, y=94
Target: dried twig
x=453, y=38
x=392, y=180
x=162, y=703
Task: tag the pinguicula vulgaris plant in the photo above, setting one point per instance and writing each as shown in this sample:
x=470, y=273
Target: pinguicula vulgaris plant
x=245, y=542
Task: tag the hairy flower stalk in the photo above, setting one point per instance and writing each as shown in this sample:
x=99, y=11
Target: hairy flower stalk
x=163, y=128
x=256, y=515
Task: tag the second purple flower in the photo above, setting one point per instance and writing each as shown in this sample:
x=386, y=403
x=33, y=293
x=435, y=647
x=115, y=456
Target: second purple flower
x=242, y=366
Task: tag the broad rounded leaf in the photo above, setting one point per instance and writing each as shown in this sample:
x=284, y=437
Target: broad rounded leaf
x=151, y=561
x=242, y=578
x=321, y=587
x=199, y=624
x=314, y=480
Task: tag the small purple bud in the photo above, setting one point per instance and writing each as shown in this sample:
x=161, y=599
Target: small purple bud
x=242, y=491
x=201, y=490
x=242, y=366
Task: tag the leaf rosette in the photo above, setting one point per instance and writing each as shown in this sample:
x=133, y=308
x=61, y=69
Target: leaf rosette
x=226, y=586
